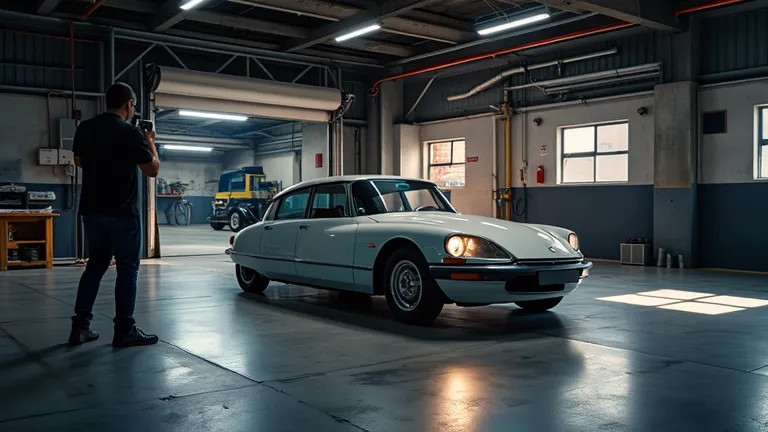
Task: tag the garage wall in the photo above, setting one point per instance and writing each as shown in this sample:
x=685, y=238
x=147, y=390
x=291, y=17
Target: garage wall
x=314, y=141
x=238, y=158
x=279, y=167
x=602, y=215
x=26, y=124
x=203, y=180
x=732, y=205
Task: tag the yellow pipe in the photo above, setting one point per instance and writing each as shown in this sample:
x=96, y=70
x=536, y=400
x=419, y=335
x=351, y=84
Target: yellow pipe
x=508, y=160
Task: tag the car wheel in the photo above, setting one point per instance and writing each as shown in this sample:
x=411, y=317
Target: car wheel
x=235, y=222
x=539, y=305
x=250, y=280
x=412, y=294
x=217, y=226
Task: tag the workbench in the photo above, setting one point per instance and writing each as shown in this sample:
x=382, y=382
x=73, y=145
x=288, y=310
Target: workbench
x=32, y=230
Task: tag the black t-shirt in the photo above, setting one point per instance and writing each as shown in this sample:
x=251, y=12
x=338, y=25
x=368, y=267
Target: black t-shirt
x=109, y=149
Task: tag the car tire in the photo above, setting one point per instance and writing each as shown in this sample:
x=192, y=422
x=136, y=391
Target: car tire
x=421, y=301
x=236, y=222
x=539, y=305
x=250, y=280
x=217, y=226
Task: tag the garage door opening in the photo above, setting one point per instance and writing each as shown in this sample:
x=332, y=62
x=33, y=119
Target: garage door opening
x=212, y=181
x=227, y=145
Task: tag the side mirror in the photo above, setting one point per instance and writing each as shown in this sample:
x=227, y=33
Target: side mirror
x=361, y=211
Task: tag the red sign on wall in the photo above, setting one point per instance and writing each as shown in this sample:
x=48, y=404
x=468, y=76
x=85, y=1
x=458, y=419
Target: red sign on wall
x=318, y=160
x=472, y=159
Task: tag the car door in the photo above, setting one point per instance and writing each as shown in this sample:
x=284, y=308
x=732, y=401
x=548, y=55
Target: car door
x=325, y=243
x=278, y=241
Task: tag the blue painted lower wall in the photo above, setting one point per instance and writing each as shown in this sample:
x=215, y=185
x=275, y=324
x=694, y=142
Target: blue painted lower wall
x=201, y=208
x=733, y=226
x=602, y=216
x=64, y=224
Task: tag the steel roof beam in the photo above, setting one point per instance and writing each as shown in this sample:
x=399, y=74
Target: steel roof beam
x=44, y=7
x=654, y=14
x=361, y=19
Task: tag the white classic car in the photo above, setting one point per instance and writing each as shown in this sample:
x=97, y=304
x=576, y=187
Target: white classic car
x=401, y=238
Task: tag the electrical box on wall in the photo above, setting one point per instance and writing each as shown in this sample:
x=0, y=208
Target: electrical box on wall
x=48, y=157
x=66, y=157
x=67, y=129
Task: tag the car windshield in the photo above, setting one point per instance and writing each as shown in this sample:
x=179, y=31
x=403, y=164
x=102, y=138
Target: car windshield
x=392, y=196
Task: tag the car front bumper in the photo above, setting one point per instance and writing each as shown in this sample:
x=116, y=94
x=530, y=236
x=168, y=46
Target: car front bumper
x=485, y=284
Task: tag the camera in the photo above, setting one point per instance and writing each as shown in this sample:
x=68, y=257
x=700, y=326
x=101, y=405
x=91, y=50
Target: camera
x=144, y=125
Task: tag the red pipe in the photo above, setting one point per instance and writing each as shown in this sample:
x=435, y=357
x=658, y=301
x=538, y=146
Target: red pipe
x=375, y=88
x=706, y=6
x=92, y=9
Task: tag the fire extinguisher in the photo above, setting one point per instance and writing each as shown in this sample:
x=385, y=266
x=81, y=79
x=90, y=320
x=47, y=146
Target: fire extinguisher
x=540, y=174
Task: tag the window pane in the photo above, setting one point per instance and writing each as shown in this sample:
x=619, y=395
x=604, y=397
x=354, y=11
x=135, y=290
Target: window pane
x=440, y=153
x=578, y=170
x=237, y=184
x=765, y=123
x=613, y=138
x=579, y=140
x=448, y=176
x=329, y=202
x=459, y=152
x=293, y=206
x=763, y=162
x=613, y=168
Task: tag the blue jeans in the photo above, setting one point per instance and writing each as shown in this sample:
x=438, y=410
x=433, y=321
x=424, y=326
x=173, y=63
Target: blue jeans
x=107, y=237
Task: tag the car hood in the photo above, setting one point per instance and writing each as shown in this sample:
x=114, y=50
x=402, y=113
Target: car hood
x=524, y=241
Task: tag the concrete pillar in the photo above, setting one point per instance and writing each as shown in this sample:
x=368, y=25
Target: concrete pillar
x=391, y=95
x=675, y=170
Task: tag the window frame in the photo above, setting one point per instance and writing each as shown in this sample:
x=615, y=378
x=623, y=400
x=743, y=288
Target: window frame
x=761, y=143
x=347, y=193
x=593, y=154
x=463, y=162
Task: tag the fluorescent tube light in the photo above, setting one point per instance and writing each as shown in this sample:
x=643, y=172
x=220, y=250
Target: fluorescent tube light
x=210, y=115
x=357, y=33
x=187, y=148
x=190, y=4
x=513, y=24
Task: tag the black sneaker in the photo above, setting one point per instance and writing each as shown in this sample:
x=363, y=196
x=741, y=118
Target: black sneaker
x=81, y=335
x=134, y=337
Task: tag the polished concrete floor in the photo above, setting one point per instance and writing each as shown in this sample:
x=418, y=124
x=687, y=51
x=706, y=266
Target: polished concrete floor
x=297, y=359
x=192, y=240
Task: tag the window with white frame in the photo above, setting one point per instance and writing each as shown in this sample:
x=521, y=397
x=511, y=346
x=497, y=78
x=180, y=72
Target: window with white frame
x=595, y=153
x=762, y=142
x=447, y=161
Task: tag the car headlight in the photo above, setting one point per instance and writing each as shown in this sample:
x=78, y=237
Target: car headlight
x=463, y=246
x=573, y=240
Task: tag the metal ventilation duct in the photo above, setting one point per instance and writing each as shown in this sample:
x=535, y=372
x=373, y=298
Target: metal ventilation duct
x=507, y=73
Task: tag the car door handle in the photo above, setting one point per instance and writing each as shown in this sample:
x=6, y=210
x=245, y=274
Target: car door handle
x=268, y=228
x=303, y=227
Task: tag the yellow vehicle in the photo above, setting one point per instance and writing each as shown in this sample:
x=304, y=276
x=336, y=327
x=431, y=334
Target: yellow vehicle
x=241, y=198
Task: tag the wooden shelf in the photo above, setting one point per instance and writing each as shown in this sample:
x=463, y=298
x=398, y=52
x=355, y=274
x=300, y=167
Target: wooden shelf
x=16, y=243
x=26, y=263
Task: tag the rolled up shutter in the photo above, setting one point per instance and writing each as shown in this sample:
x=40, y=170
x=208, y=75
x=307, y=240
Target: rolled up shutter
x=202, y=91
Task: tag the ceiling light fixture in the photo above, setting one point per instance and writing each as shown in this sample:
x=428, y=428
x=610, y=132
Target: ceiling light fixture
x=187, y=148
x=515, y=23
x=210, y=115
x=190, y=4
x=357, y=33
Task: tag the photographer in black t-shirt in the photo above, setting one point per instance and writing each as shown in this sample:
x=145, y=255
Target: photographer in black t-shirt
x=108, y=149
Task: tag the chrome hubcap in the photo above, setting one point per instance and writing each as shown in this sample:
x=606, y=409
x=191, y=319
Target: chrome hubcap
x=247, y=275
x=405, y=285
x=235, y=220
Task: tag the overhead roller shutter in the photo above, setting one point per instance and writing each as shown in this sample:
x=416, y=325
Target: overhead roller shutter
x=202, y=91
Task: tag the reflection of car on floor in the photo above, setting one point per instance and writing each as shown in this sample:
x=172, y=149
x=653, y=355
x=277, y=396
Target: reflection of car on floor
x=401, y=238
x=241, y=198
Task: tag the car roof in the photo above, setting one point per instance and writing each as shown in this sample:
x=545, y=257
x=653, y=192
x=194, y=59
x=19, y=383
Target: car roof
x=345, y=179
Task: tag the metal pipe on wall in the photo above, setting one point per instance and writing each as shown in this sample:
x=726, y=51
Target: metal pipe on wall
x=507, y=73
x=591, y=76
x=635, y=77
x=507, y=157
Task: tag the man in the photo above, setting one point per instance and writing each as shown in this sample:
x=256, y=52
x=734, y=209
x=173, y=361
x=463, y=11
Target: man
x=108, y=148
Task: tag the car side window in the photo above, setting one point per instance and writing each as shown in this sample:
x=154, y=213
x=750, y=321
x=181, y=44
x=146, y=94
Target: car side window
x=293, y=206
x=366, y=199
x=237, y=183
x=329, y=202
